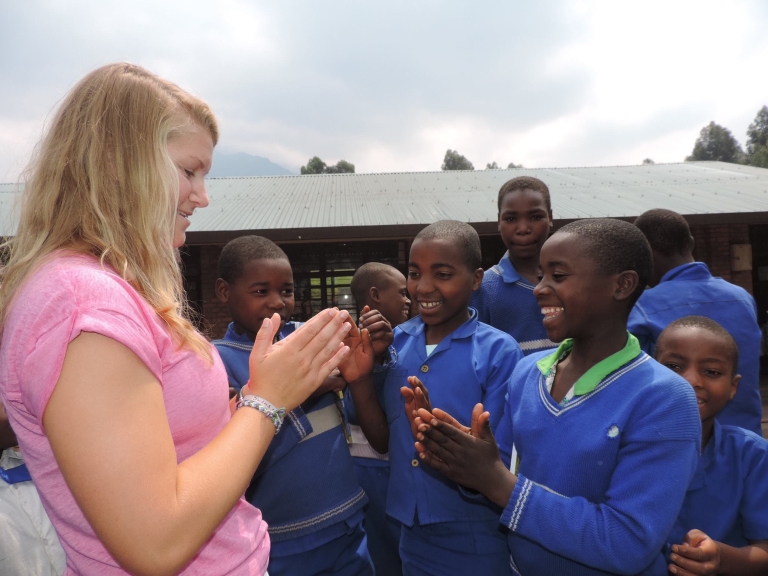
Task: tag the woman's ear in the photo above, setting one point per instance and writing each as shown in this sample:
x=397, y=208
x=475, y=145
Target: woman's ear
x=626, y=284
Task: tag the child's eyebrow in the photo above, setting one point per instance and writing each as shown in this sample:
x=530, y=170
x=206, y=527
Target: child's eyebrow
x=442, y=265
x=720, y=360
x=674, y=354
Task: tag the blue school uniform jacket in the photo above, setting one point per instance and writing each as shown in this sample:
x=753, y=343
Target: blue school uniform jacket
x=690, y=289
x=505, y=300
x=470, y=365
x=305, y=486
x=602, y=477
x=728, y=497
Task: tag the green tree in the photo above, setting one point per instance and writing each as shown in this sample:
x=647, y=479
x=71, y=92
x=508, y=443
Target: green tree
x=512, y=165
x=757, y=139
x=341, y=167
x=317, y=166
x=648, y=161
x=455, y=161
x=492, y=166
x=716, y=143
x=314, y=166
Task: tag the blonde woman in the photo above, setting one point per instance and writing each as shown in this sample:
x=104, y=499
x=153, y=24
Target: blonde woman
x=120, y=406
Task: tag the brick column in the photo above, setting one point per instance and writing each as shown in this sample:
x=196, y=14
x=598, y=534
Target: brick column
x=215, y=313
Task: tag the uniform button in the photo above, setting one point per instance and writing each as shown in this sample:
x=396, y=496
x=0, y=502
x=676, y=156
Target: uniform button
x=425, y=368
x=414, y=463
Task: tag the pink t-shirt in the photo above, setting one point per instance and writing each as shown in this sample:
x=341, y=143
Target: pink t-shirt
x=71, y=294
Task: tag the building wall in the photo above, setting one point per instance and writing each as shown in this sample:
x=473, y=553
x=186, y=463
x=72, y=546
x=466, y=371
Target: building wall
x=215, y=313
x=713, y=246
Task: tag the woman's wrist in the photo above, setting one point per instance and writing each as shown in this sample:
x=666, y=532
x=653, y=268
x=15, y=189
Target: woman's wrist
x=270, y=397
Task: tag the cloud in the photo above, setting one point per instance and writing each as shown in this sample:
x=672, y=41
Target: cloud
x=391, y=86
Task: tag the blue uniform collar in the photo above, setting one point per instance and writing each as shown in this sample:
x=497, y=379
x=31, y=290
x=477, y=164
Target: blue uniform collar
x=707, y=458
x=415, y=326
x=689, y=271
x=232, y=336
x=508, y=272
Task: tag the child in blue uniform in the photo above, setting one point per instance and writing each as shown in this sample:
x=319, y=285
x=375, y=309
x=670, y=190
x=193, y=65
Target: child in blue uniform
x=377, y=286
x=598, y=441
x=683, y=287
x=723, y=525
x=306, y=486
x=505, y=300
x=462, y=361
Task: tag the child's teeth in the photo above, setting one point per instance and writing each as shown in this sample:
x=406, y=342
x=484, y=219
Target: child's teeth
x=547, y=311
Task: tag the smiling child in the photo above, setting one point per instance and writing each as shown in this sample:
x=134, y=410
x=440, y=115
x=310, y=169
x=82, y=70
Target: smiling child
x=723, y=525
x=462, y=362
x=505, y=299
x=305, y=486
x=598, y=442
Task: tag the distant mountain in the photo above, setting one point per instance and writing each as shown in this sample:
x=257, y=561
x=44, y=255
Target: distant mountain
x=242, y=164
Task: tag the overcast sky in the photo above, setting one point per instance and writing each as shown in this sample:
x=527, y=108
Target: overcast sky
x=389, y=86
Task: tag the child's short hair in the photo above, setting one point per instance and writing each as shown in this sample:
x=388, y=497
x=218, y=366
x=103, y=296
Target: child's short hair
x=667, y=232
x=241, y=250
x=525, y=183
x=366, y=277
x=705, y=324
x=459, y=233
x=615, y=246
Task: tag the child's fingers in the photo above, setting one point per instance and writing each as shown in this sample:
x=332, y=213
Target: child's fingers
x=688, y=566
x=691, y=553
x=694, y=537
x=436, y=443
x=407, y=393
x=379, y=327
x=443, y=416
x=370, y=316
x=431, y=459
x=678, y=571
x=425, y=415
x=367, y=343
x=414, y=381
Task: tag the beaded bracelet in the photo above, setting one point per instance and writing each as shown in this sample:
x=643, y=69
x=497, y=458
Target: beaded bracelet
x=269, y=410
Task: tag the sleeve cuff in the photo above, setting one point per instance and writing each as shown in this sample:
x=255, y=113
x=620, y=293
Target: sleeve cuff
x=517, y=502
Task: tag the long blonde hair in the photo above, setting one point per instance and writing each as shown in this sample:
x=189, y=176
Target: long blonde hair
x=101, y=182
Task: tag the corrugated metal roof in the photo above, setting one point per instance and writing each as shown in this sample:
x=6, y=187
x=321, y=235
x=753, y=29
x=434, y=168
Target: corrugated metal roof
x=417, y=198
x=335, y=200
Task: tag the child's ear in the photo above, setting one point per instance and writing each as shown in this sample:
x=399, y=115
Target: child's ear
x=374, y=294
x=626, y=284
x=735, y=386
x=221, y=289
x=478, y=279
